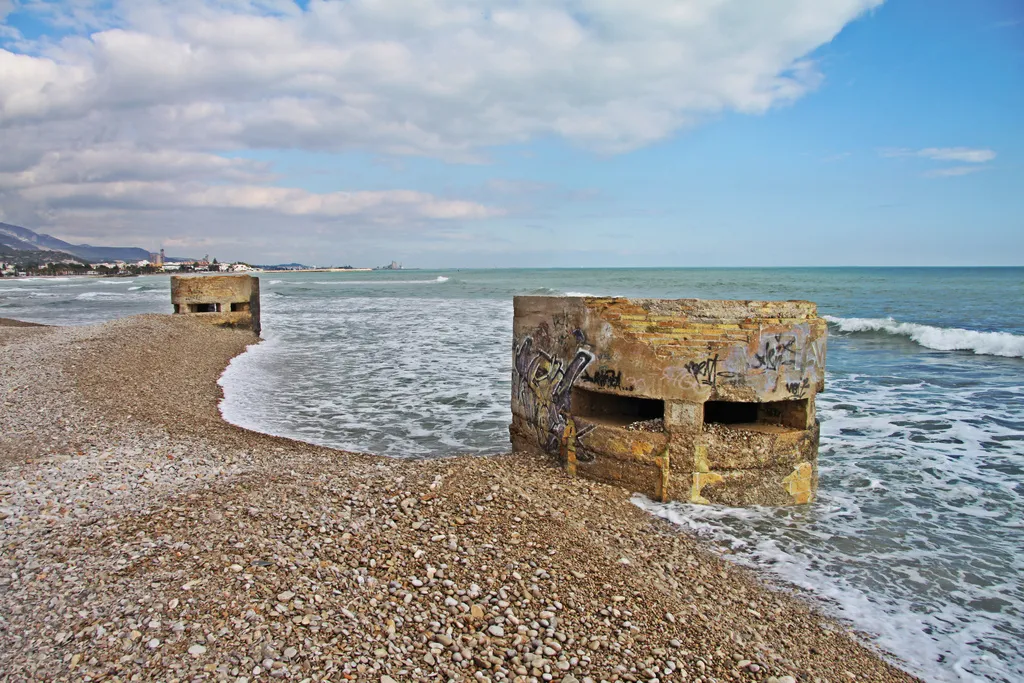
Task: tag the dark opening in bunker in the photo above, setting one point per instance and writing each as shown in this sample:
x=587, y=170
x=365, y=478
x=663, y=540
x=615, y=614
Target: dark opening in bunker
x=790, y=414
x=729, y=412
x=614, y=409
x=205, y=308
x=239, y=306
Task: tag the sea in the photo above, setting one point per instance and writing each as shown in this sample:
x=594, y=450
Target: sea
x=916, y=539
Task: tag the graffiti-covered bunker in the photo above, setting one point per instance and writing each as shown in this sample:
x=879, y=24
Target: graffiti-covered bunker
x=691, y=400
x=227, y=300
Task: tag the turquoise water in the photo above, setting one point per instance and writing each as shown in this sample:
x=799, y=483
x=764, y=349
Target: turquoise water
x=918, y=533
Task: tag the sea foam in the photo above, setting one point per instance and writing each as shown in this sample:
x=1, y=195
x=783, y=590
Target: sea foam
x=938, y=338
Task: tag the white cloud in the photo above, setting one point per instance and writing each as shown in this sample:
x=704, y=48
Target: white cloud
x=971, y=159
x=137, y=106
x=966, y=155
x=439, y=77
x=386, y=205
x=113, y=162
x=110, y=193
x=953, y=171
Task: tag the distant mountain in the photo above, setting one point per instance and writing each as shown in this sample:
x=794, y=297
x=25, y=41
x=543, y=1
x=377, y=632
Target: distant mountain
x=283, y=266
x=16, y=237
x=23, y=257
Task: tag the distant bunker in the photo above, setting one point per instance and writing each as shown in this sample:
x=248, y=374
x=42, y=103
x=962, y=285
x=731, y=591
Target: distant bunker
x=688, y=400
x=226, y=300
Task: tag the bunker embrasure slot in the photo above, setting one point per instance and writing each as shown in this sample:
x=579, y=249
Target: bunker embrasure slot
x=791, y=414
x=614, y=409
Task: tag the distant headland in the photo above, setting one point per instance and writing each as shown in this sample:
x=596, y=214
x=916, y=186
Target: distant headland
x=26, y=253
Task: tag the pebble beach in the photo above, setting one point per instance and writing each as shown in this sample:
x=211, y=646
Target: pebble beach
x=144, y=538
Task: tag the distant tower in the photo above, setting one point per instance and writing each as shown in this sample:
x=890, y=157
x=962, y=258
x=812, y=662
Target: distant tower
x=160, y=259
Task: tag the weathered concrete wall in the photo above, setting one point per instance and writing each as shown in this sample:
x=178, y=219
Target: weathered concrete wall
x=229, y=300
x=701, y=401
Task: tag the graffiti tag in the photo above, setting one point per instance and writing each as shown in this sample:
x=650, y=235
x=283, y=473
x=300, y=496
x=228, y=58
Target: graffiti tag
x=542, y=385
x=705, y=372
x=608, y=379
x=777, y=353
x=798, y=389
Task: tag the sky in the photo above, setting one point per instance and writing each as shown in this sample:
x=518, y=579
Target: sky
x=520, y=133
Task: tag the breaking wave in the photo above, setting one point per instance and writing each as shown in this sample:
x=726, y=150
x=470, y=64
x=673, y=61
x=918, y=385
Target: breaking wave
x=938, y=338
x=548, y=291
x=99, y=295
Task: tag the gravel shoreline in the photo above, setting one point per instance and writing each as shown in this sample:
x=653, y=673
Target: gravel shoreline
x=143, y=538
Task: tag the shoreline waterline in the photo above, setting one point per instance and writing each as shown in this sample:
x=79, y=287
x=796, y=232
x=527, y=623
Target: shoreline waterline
x=569, y=540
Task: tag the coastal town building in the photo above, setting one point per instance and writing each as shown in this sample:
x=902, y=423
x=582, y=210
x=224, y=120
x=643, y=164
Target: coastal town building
x=690, y=400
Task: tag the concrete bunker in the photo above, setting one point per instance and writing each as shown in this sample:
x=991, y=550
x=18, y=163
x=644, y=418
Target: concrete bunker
x=227, y=300
x=691, y=400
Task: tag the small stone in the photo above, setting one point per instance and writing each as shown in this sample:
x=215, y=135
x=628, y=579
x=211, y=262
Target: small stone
x=496, y=631
x=236, y=568
x=476, y=611
x=743, y=663
x=387, y=679
x=290, y=652
x=286, y=596
x=153, y=644
x=197, y=650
